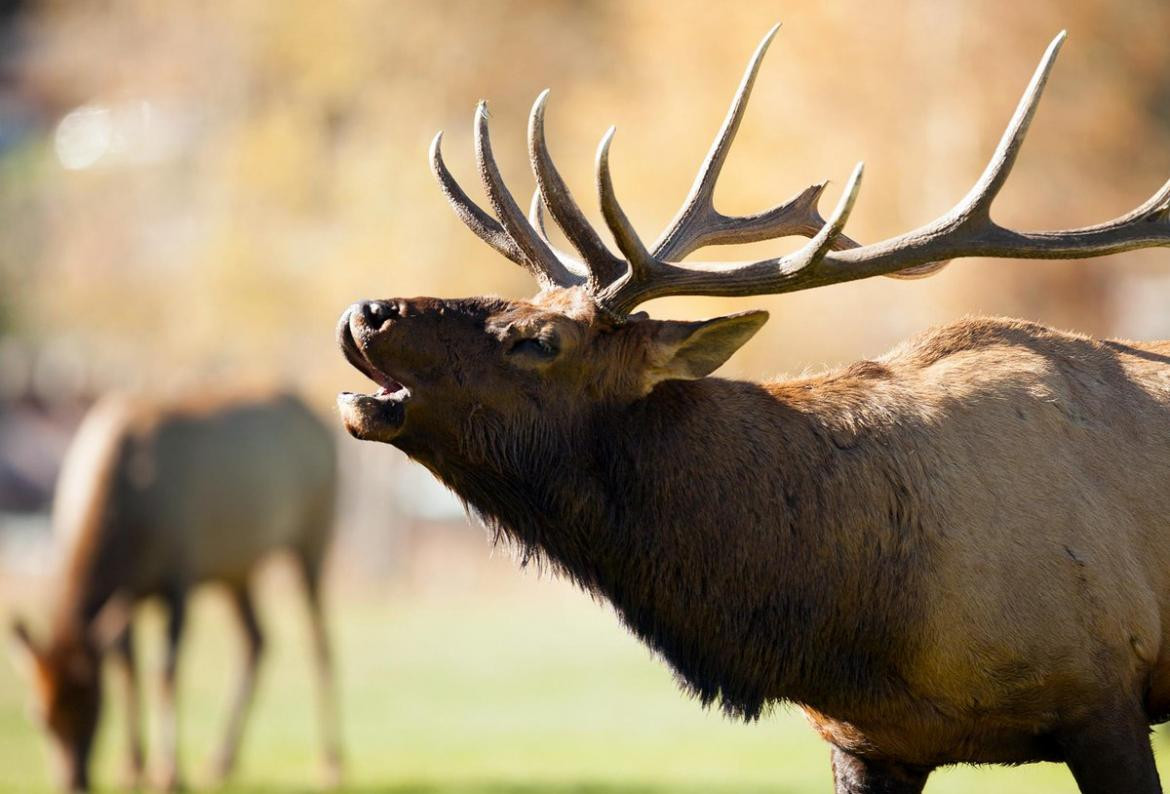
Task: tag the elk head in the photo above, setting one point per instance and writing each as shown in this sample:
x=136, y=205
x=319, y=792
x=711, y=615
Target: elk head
x=66, y=685
x=448, y=369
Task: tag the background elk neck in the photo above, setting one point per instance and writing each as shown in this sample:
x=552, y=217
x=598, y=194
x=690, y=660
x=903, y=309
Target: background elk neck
x=105, y=539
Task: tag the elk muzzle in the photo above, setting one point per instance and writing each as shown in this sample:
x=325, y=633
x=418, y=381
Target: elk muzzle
x=378, y=416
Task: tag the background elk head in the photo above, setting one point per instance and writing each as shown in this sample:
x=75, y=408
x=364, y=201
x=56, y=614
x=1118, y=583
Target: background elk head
x=451, y=370
x=65, y=676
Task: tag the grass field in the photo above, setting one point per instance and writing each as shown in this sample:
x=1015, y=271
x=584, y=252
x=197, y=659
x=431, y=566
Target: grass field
x=532, y=689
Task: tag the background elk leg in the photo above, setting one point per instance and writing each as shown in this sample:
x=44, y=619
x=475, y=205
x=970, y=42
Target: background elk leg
x=123, y=656
x=853, y=775
x=1111, y=752
x=310, y=564
x=177, y=608
x=253, y=648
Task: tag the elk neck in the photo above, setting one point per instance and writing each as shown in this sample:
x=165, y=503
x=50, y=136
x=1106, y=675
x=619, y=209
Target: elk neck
x=93, y=523
x=747, y=533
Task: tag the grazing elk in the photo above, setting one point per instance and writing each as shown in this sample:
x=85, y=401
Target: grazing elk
x=958, y=552
x=154, y=499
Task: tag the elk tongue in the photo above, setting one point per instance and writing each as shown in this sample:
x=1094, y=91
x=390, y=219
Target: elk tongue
x=387, y=386
x=391, y=389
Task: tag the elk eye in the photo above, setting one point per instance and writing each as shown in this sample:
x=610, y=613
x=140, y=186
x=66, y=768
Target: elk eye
x=544, y=348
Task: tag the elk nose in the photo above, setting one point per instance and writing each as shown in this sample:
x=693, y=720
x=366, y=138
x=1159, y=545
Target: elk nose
x=375, y=313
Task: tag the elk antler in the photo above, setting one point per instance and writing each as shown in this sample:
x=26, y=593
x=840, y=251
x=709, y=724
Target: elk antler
x=620, y=284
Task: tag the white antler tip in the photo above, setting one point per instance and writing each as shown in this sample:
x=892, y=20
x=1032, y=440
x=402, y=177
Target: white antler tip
x=536, y=117
x=1055, y=45
x=434, y=154
x=762, y=47
x=603, y=147
x=844, y=206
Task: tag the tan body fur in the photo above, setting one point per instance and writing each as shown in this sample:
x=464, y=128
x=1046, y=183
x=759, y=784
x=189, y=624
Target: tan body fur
x=1043, y=527
x=155, y=498
x=207, y=486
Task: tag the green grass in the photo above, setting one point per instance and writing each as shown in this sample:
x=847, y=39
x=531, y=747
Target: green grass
x=531, y=690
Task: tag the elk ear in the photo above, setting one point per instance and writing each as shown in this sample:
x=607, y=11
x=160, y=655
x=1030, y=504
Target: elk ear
x=22, y=647
x=691, y=350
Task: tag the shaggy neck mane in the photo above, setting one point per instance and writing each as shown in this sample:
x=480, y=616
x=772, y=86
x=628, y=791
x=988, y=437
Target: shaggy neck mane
x=721, y=520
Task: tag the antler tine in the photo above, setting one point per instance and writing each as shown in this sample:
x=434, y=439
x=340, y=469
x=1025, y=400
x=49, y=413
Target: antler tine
x=975, y=208
x=536, y=220
x=539, y=257
x=699, y=224
x=485, y=226
x=968, y=230
x=977, y=203
x=826, y=239
x=604, y=267
x=536, y=216
x=641, y=263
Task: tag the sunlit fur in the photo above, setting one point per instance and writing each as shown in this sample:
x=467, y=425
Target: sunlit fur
x=957, y=552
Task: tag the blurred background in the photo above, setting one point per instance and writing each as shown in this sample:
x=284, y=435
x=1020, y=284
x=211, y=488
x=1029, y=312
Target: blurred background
x=191, y=192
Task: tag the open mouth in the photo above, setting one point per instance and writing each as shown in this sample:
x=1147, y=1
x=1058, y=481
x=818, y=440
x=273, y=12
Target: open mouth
x=388, y=386
x=369, y=416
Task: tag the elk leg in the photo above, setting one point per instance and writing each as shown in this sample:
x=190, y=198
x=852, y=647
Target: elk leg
x=854, y=775
x=177, y=608
x=123, y=654
x=1112, y=753
x=326, y=683
x=253, y=648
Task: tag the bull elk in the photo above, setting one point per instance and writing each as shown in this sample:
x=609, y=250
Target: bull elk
x=155, y=498
x=956, y=553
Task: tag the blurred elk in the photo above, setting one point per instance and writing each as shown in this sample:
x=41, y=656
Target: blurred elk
x=958, y=552
x=154, y=499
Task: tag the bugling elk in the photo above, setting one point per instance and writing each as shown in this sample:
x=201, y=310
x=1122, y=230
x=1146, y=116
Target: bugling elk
x=156, y=497
x=957, y=552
